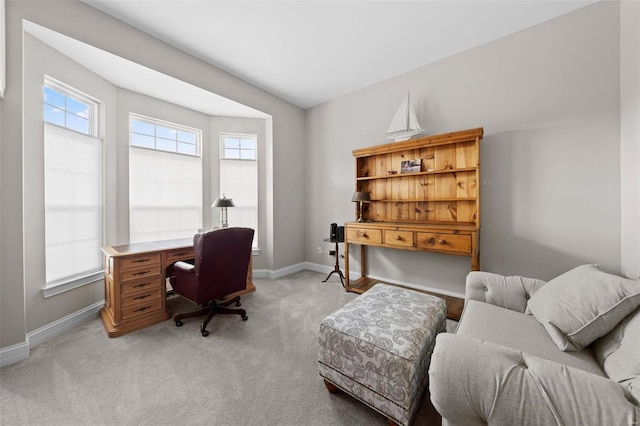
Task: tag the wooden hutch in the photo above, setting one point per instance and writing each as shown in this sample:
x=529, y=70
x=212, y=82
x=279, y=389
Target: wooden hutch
x=435, y=207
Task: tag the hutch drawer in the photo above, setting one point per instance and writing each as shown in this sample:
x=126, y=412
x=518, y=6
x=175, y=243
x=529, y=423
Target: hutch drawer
x=441, y=241
x=364, y=235
x=398, y=238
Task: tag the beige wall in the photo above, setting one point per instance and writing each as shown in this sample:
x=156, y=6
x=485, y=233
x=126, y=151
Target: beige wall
x=18, y=298
x=548, y=99
x=630, y=136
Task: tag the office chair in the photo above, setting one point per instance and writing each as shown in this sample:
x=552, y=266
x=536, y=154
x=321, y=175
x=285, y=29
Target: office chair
x=220, y=269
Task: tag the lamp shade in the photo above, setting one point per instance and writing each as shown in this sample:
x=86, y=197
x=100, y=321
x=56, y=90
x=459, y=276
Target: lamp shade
x=223, y=202
x=361, y=197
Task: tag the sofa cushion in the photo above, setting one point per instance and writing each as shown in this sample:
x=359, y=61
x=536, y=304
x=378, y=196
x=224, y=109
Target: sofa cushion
x=583, y=304
x=619, y=354
x=511, y=329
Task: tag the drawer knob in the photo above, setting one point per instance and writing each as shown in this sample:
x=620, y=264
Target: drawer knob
x=431, y=240
x=362, y=234
x=398, y=237
x=442, y=242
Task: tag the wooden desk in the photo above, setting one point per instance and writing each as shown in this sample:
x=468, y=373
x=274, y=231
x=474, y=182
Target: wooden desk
x=135, y=283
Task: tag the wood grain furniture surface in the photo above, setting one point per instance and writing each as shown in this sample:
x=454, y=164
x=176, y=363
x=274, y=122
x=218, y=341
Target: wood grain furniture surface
x=434, y=207
x=135, y=283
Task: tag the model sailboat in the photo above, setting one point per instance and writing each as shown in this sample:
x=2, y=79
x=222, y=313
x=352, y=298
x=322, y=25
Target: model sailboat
x=404, y=124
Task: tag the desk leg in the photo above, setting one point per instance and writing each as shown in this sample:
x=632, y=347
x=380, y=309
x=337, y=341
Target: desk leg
x=336, y=268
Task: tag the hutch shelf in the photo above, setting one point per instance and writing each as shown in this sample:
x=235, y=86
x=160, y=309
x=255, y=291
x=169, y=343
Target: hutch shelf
x=434, y=207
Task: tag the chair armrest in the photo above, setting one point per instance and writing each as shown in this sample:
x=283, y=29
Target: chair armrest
x=473, y=382
x=506, y=292
x=184, y=267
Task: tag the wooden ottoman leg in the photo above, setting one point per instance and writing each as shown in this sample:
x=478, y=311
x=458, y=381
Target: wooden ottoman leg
x=331, y=387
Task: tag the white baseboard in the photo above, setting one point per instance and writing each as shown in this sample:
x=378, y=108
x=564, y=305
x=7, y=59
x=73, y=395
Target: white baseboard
x=57, y=327
x=14, y=353
x=20, y=351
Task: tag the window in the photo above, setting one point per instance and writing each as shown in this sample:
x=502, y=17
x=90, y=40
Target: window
x=239, y=179
x=68, y=108
x=73, y=183
x=161, y=136
x=165, y=180
x=239, y=147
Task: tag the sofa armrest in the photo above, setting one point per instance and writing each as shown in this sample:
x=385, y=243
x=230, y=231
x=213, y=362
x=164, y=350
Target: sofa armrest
x=473, y=382
x=506, y=292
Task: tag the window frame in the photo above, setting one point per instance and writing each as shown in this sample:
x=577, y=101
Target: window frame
x=254, y=136
x=86, y=277
x=158, y=122
x=77, y=95
x=224, y=135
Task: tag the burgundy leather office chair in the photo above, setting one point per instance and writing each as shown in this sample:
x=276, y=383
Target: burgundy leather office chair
x=220, y=269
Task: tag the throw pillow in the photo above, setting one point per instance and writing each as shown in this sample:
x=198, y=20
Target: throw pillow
x=583, y=304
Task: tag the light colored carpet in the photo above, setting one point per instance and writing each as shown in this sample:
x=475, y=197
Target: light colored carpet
x=257, y=372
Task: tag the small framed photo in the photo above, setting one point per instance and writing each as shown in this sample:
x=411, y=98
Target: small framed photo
x=410, y=166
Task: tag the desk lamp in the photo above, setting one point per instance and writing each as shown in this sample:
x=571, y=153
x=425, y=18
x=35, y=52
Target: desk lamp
x=223, y=203
x=361, y=197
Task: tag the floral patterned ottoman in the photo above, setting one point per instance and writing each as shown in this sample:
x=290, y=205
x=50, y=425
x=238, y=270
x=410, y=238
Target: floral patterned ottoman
x=377, y=348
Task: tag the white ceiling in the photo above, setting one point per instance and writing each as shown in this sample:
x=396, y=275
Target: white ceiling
x=309, y=52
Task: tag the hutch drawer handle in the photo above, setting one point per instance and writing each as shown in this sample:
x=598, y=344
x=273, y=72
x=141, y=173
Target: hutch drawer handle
x=398, y=237
x=141, y=260
x=141, y=285
x=144, y=308
x=442, y=242
x=141, y=273
x=362, y=234
x=431, y=240
x=144, y=296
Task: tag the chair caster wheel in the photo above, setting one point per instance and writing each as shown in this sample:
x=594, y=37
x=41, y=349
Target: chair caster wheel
x=205, y=333
x=244, y=317
x=179, y=323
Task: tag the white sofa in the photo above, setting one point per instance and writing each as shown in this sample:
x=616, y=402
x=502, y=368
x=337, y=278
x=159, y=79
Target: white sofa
x=507, y=367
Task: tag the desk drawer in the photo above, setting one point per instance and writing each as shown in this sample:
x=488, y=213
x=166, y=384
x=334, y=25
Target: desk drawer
x=398, y=238
x=144, y=284
x=179, y=254
x=447, y=242
x=133, y=274
x=364, y=235
x=138, y=298
x=141, y=308
x=142, y=260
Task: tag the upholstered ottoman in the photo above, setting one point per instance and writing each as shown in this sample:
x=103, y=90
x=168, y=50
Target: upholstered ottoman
x=377, y=348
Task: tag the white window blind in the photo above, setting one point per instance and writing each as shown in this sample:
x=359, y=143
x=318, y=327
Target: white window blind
x=165, y=195
x=73, y=206
x=239, y=180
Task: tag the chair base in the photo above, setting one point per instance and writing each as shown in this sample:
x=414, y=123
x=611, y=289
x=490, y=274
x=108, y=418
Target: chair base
x=210, y=309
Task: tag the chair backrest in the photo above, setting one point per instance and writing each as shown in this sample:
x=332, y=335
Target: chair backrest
x=222, y=261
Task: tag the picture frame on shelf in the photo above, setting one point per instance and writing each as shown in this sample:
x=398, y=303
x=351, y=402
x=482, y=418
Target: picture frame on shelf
x=410, y=166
